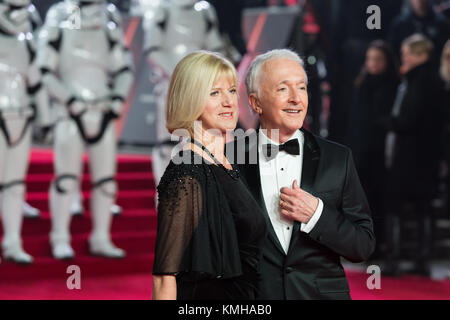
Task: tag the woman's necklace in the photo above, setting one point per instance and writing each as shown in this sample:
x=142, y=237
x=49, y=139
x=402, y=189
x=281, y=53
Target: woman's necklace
x=233, y=173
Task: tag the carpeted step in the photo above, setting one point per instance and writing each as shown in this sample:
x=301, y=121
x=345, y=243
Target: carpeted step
x=122, y=166
x=139, y=247
x=125, y=180
x=129, y=220
x=42, y=162
x=129, y=199
x=130, y=241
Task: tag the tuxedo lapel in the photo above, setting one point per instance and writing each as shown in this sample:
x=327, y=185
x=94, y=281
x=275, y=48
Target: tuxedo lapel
x=253, y=179
x=311, y=157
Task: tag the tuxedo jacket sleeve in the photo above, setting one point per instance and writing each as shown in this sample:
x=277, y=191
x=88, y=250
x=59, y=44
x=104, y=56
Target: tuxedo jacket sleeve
x=345, y=225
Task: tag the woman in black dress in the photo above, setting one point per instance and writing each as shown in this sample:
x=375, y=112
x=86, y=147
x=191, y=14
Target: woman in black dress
x=210, y=229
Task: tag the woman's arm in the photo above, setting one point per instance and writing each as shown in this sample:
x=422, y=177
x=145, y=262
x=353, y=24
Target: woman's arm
x=179, y=209
x=164, y=288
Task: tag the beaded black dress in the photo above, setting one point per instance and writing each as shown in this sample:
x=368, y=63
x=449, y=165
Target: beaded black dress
x=210, y=231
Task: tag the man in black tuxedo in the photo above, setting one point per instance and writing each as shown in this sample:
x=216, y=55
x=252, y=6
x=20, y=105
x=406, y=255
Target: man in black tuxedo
x=308, y=187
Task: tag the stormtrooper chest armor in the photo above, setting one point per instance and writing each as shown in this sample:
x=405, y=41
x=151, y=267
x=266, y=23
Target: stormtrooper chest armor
x=185, y=31
x=84, y=56
x=15, y=109
x=14, y=64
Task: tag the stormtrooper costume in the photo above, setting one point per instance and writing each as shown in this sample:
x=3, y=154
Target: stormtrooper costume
x=36, y=23
x=76, y=207
x=88, y=73
x=23, y=98
x=173, y=30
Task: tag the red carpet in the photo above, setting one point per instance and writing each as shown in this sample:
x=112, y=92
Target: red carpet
x=135, y=231
x=101, y=278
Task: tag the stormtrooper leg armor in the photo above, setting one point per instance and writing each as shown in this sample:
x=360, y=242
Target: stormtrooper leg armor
x=13, y=164
x=68, y=153
x=30, y=212
x=77, y=207
x=68, y=147
x=102, y=160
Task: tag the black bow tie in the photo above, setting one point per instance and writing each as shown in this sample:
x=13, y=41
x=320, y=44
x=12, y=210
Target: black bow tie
x=291, y=147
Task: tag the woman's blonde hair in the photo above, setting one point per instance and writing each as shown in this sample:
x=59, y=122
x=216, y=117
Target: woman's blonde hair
x=445, y=68
x=190, y=86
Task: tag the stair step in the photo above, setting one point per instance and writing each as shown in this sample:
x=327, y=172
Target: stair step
x=129, y=220
x=125, y=180
x=127, y=199
x=38, y=245
x=125, y=163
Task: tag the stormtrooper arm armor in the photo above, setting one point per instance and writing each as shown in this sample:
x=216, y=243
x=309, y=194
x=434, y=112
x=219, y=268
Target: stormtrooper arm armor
x=121, y=72
x=35, y=18
x=154, y=25
x=37, y=90
x=121, y=66
x=49, y=42
x=213, y=40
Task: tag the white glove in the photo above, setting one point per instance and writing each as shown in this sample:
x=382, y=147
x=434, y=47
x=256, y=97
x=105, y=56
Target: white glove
x=116, y=107
x=76, y=107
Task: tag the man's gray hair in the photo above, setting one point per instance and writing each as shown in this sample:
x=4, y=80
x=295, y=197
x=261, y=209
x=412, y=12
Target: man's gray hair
x=253, y=73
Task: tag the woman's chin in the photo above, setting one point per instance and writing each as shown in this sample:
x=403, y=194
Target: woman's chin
x=229, y=126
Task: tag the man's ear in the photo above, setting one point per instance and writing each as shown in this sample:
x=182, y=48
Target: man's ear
x=254, y=103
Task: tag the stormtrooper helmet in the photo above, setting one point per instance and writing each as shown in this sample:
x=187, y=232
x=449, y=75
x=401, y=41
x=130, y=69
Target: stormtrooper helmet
x=92, y=13
x=14, y=16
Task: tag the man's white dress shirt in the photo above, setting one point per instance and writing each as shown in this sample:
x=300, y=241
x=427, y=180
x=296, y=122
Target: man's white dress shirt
x=279, y=172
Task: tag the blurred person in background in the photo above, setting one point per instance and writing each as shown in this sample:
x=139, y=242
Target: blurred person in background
x=445, y=76
x=413, y=147
x=442, y=6
x=420, y=18
x=349, y=38
x=375, y=90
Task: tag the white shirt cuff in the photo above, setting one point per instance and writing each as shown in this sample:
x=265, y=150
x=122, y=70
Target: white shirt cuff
x=307, y=227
